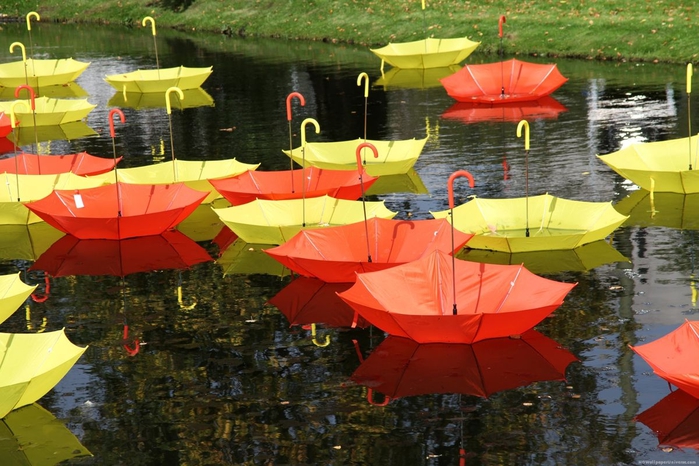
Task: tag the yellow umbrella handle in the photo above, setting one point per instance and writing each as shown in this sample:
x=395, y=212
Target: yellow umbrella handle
x=304, y=123
x=423, y=4
x=366, y=83
x=315, y=340
x=524, y=124
x=29, y=16
x=13, y=118
x=689, y=78
x=150, y=20
x=21, y=46
x=167, y=97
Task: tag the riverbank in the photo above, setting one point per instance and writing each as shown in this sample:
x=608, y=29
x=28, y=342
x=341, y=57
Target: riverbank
x=630, y=30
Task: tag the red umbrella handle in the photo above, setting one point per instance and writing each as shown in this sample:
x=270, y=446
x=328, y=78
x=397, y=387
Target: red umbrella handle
x=500, y=22
x=302, y=101
x=370, y=398
x=47, y=288
x=111, y=120
x=450, y=184
x=29, y=89
x=131, y=351
x=359, y=154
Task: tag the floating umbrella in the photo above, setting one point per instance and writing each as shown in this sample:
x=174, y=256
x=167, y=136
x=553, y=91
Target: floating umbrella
x=674, y=420
x=32, y=365
x=544, y=108
x=672, y=210
x=13, y=292
x=426, y=53
x=241, y=258
x=33, y=436
x=400, y=367
x=26, y=242
x=80, y=163
x=672, y=357
x=52, y=112
x=193, y=98
x=70, y=256
x=39, y=73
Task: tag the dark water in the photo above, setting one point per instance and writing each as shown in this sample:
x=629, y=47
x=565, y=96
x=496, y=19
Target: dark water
x=221, y=377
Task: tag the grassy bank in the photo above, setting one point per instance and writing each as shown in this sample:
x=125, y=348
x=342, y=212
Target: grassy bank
x=639, y=30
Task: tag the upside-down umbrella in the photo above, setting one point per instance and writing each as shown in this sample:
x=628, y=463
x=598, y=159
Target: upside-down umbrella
x=543, y=108
x=672, y=357
x=33, y=436
x=401, y=367
x=71, y=256
x=426, y=53
x=32, y=364
x=39, y=73
x=672, y=210
x=13, y=292
x=50, y=111
x=80, y=163
x=674, y=420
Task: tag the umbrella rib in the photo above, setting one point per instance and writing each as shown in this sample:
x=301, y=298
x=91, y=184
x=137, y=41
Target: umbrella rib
x=475, y=80
x=507, y=295
x=542, y=81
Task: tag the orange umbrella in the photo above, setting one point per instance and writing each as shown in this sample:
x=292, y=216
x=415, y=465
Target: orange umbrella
x=674, y=420
x=508, y=81
x=673, y=357
x=80, y=163
x=401, y=367
x=543, y=108
x=5, y=126
x=289, y=184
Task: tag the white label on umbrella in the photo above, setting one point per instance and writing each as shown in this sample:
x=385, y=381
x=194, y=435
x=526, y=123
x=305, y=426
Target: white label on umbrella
x=78, y=201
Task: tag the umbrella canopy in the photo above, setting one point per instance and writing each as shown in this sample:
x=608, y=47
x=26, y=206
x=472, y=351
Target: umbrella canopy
x=71, y=256
x=545, y=107
x=39, y=73
x=426, y=53
x=241, y=258
x=415, y=78
x=194, y=173
x=5, y=124
x=119, y=210
x=276, y=222
x=395, y=157
x=80, y=163
x=401, y=367
x=33, y=436
x=507, y=81
x=49, y=111
x=24, y=136
x=673, y=357
x=159, y=80
x=414, y=300
x=203, y=224
x=674, y=420
x=552, y=222
x=338, y=253
x=672, y=210
x=291, y=184
x=13, y=292
x=31, y=365
x=307, y=301
x=662, y=166
x=193, y=98
x=26, y=242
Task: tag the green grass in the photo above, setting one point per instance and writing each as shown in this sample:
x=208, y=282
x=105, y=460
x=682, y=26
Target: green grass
x=638, y=30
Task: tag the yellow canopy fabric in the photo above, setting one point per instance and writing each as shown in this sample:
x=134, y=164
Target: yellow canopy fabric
x=13, y=292
x=554, y=223
x=146, y=81
x=409, y=182
x=40, y=73
x=427, y=53
x=57, y=91
x=395, y=157
x=26, y=242
x=49, y=111
x=31, y=365
x=275, y=222
x=661, y=166
x=415, y=78
x=192, y=98
x=247, y=259
x=671, y=210
x=24, y=135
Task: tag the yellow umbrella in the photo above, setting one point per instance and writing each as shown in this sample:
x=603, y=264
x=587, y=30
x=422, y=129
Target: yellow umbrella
x=670, y=210
x=50, y=111
x=241, y=258
x=193, y=98
x=426, y=53
x=26, y=242
x=41, y=73
x=33, y=436
x=395, y=157
x=275, y=222
x=147, y=81
x=13, y=292
x=31, y=365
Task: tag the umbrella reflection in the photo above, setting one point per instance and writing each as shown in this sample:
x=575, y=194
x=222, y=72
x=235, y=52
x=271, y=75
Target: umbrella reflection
x=26, y=242
x=138, y=100
x=544, y=108
x=409, y=182
x=415, y=78
x=241, y=258
x=674, y=420
x=401, y=367
x=672, y=210
x=56, y=91
x=64, y=132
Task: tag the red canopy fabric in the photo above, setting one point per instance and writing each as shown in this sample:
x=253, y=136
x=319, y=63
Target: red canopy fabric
x=72, y=256
x=337, y=254
x=292, y=184
x=674, y=419
x=415, y=300
x=119, y=210
x=81, y=163
x=507, y=81
x=401, y=367
x=5, y=125
x=673, y=357
x=543, y=108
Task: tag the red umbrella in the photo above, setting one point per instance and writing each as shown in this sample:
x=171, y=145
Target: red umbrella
x=508, y=81
x=6, y=146
x=289, y=184
x=337, y=254
x=307, y=301
x=5, y=126
x=673, y=357
x=81, y=163
x=543, y=108
x=401, y=367
x=674, y=419
x=73, y=256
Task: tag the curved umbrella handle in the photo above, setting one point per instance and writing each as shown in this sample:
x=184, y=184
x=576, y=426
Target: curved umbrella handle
x=365, y=77
x=302, y=101
x=13, y=118
x=47, y=289
x=358, y=153
x=29, y=89
x=111, y=120
x=167, y=97
x=29, y=16
x=450, y=184
x=150, y=20
x=370, y=398
x=131, y=351
x=21, y=46
x=303, y=128
x=180, y=301
x=315, y=341
x=524, y=124
x=500, y=22
x=689, y=78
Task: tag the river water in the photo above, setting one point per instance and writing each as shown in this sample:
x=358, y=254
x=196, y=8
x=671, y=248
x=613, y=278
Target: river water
x=220, y=376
